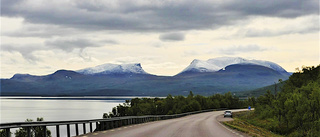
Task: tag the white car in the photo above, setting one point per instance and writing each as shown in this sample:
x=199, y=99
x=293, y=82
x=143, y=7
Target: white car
x=227, y=113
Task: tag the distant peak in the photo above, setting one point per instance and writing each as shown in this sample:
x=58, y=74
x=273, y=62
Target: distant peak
x=18, y=76
x=216, y=64
x=195, y=61
x=110, y=68
x=137, y=64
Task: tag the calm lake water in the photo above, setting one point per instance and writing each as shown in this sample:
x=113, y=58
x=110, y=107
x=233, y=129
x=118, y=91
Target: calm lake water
x=15, y=109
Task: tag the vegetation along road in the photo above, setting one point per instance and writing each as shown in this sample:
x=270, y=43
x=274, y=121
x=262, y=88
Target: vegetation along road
x=198, y=125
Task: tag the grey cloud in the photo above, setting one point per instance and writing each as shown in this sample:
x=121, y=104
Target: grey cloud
x=172, y=37
x=155, y=16
x=41, y=30
x=241, y=49
x=65, y=44
x=70, y=44
x=27, y=51
x=108, y=41
x=273, y=8
x=267, y=32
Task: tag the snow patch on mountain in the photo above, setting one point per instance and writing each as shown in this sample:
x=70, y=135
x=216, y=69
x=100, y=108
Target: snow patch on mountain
x=113, y=68
x=216, y=64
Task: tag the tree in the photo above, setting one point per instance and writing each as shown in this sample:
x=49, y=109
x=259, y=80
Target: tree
x=37, y=131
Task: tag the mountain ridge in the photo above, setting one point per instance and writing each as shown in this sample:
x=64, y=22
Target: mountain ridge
x=133, y=80
x=210, y=65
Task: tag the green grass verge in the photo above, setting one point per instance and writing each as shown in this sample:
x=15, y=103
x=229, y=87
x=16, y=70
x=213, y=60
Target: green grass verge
x=240, y=123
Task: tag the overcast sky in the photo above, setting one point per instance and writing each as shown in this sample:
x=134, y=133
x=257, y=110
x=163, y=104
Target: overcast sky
x=41, y=36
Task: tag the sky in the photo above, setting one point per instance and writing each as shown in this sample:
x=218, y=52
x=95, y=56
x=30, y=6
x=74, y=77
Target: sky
x=39, y=37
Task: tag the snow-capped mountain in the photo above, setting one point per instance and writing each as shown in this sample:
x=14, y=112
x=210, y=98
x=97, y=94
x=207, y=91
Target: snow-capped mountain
x=229, y=74
x=216, y=64
x=113, y=69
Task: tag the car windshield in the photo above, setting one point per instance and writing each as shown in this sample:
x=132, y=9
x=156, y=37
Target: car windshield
x=228, y=112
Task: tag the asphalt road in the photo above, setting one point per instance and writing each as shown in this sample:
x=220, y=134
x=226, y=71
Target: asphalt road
x=198, y=125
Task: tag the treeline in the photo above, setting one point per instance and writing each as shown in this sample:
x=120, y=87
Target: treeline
x=23, y=132
x=295, y=110
x=177, y=104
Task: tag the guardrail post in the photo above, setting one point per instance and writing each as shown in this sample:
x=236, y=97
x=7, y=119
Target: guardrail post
x=77, y=130
x=44, y=131
x=29, y=131
x=116, y=124
x=68, y=130
x=97, y=126
x=107, y=125
x=91, y=127
x=84, y=128
x=57, y=131
x=102, y=125
x=8, y=134
x=111, y=124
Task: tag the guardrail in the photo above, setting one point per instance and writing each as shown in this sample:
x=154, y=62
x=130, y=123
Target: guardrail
x=101, y=124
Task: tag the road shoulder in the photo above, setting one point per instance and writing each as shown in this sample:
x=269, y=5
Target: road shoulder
x=220, y=119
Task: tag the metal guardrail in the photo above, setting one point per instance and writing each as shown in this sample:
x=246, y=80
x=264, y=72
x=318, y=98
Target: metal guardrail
x=101, y=124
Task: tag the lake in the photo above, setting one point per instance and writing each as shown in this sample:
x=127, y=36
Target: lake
x=18, y=109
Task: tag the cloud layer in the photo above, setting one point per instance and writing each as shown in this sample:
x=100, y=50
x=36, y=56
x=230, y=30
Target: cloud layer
x=155, y=16
x=71, y=44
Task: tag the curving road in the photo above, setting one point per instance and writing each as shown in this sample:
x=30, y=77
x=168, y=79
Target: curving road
x=198, y=125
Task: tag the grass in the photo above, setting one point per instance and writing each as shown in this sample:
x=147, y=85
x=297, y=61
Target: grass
x=242, y=124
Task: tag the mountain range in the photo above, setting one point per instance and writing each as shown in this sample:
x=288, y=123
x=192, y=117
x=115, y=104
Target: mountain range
x=217, y=75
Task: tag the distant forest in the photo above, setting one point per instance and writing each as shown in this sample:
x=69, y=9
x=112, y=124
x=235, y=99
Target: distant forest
x=177, y=105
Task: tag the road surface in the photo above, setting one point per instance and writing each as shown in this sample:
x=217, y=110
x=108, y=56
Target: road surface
x=198, y=125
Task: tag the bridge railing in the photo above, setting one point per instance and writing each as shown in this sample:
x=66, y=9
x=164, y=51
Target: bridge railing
x=87, y=125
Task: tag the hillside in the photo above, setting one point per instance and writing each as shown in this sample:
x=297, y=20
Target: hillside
x=260, y=91
x=237, y=77
x=295, y=110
